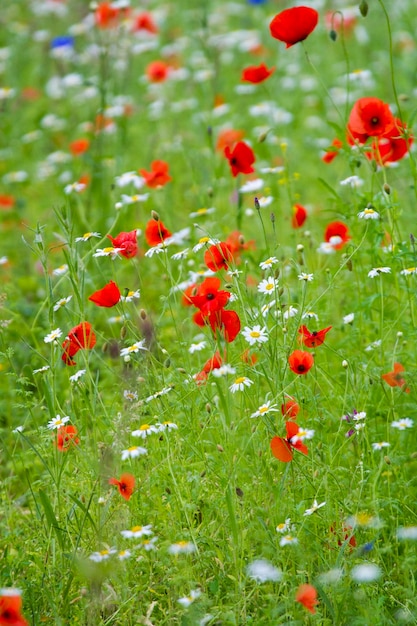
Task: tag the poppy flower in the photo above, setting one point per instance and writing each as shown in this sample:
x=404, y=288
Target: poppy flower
x=311, y=340
x=66, y=437
x=108, y=296
x=294, y=25
x=208, y=298
x=282, y=448
x=248, y=357
x=241, y=158
x=369, y=117
x=218, y=257
x=299, y=216
x=300, y=362
x=290, y=409
x=256, y=73
x=307, y=596
x=144, y=21
x=395, y=378
x=79, y=146
x=7, y=202
x=237, y=244
x=126, y=242
x=214, y=363
x=10, y=608
x=158, y=176
x=226, y=322
x=157, y=71
x=337, y=233
x=125, y=485
x=347, y=536
x=156, y=232
x=228, y=138
x=331, y=154
x=392, y=146
x=106, y=15
x=81, y=336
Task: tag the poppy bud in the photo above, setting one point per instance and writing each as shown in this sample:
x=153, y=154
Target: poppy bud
x=208, y=407
x=155, y=216
x=387, y=189
x=220, y=448
x=387, y=460
x=363, y=8
x=142, y=314
x=228, y=286
x=263, y=136
x=167, y=363
x=181, y=370
x=333, y=35
x=123, y=332
x=105, y=347
x=210, y=192
x=300, y=247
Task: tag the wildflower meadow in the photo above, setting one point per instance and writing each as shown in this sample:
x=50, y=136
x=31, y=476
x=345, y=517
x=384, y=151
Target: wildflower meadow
x=208, y=334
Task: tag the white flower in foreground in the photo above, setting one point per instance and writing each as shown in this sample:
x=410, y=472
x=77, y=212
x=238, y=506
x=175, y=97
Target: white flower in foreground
x=268, y=285
x=365, y=573
x=380, y=445
x=133, y=452
x=407, y=532
x=265, y=408
x=144, y=430
x=403, y=423
x=103, y=555
x=306, y=277
x=166, y=426
x=255, y=335
x=408, y=271
x=181, y=547
x=137, y=532
x=314, y=508
x=109, y=251
x=196, y=347
x=376, y=271
x=75, y=377
x=87, y=236
x=369, y=214
x=57, y=422
x=265, y=265
x=187, y=600
x=263, y=571
x=139, y=345
x=53, y=335
x=205, y=241
x=290, y=312
x=240, y=384
x=124, y=554
x=131, y=296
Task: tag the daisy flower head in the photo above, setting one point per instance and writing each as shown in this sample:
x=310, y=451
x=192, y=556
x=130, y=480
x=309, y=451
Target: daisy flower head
x=166, y=426
x=76, y=377
x=292, y=311
x=133, y=349
x=285, y=527
x=144, y=431
x=368, y=214
x=288, y=540
x=109, y=251
x=348, y=319
x=380, y=445
x=310, y=315
x=124, y=554
x=148, y=544
x=87, y=236
x=352, y=181
x=265, y=265
x=53, y=336
x=255, y=335
x=133, y=452
x=265, y=408
x=265, y=308
x=315, y=507
x=202, y=212
x=45, y=368
x=240, y=384
x=403, y=423
x=205, y=242
x=130, y=296
x=61, y=303
x=408, y=271
x=223, y=370
x=187, y=600
x=268, y=286
x=262, y=571
x=377, y=271
x=57, y=422
x=130, y=395
x=196, y=347
x=181, y=547
x=306, y=277
x=103, y=555
x=137, y=531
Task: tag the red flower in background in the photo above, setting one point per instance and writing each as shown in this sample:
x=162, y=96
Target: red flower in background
x=126, y=242
x=208, y=298
x=226, y=322
x=294, y=25
x=218, y=256
x=311, y=340
x=392, y=146
x=107, y=16
x=66, y=437
x=299, y=216
x=290, y=409
x=241, y=158
x=7, y=202
x=256, y=73
x=369, y=117
x=237, y=244
x=337, y=233
x=158, y=176
x=228, y=138
x=282, y=448
x=144, y=21
x=156, y=232
x=80, y=337
x=157, y=71
x=125, y=485
x=108, y=296
x=79, y=146
x=332, y=154
x=214, y=363
x=307, y=596
x=300, y=362
x=396, y=378
x=10, y=608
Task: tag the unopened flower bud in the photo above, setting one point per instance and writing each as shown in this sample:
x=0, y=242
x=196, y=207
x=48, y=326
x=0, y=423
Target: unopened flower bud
x=220, y=448
x=363, y=8
x=387, y=460
x=387, y=189
x=300, y=247
x=333, y=35
x=345, y=364
x=123, y=332
x=142, y=314
x=155, y=216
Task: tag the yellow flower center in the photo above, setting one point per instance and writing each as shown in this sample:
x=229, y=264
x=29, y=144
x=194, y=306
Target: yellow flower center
x=269, y=286
x=136, y=529
x=132, y=448
x=108, y=250
x=201, y=212
x=203, y=240
x=255, y=334
x=363, y=518
x=240, y=380
x=263, y=409
x=144, y=427
x=104, y=552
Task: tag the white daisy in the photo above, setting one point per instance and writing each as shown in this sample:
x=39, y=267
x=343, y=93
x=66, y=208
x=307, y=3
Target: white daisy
x=196, y=347
x=103, y=555
x=223, y=370
x=315, y=507
x=288, y=540
x=134, y=348
x=265, y=265
x=109, y=251
x=403, y=423
x=408, y=271
x=187, y=600
x=57, y=422
x=369, y=214
x=75, y=377
x=240, y=384
x=268, y=285
x=133, y=452
x=62, y=302
x=380, y=445
x=265, y=408
x=144, y=431
x=53, y=335
x=255, y=335
x=306, y=277
x=137, y=531
x=87, y=236
x=130, y=296
x=376, y=271
x=182, y=547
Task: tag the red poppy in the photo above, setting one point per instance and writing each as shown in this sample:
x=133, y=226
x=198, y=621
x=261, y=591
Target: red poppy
x=299, y=216
x=294, y=25
x=290, y=409
x=106, y=15
x=337, y=233
x=66, y=437
x=125, y=485
x=81, y=336
x=214, y=363
x=158, y=176
x=311, y=340
x=157, y=71
x=126, y=242
x=7, y=202
x=307, y=596
x=218, y=257
x=208, y=298
x=226, y=322
x=395, y=378
x=144, y=21
x=10, y=608
x=241, y=158
x=347, y=536
x=79, y=146
x=237, y=244
x=300, y=362
x=394, y=145
x=257, y=73
x=369, y=117
x=282, y=448
x=228, y=138
x=248, y=357
x=108, y=296
x=156, y=232
x=332, y=154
